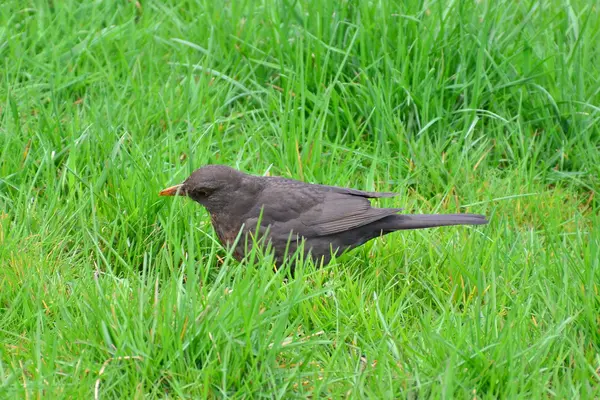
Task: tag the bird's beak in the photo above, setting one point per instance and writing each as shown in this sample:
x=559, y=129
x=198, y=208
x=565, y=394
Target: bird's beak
x=176, y=190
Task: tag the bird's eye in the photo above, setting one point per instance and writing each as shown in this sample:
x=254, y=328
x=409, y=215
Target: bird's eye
x=204, y=192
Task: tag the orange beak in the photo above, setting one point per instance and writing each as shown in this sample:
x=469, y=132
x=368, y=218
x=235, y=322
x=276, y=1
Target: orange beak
x=172, y=191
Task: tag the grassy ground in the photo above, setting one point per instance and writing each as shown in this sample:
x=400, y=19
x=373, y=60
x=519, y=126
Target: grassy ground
x=490, y=107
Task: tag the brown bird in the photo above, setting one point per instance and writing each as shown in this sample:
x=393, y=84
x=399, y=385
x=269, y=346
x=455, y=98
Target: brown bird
x=330, y=219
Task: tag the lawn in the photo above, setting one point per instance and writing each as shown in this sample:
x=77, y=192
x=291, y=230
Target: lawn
x=109, y=291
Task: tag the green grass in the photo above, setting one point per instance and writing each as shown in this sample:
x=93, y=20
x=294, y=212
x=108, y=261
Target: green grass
x=461, y=106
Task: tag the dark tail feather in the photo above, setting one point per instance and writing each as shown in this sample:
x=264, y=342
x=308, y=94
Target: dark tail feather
x=408, y=221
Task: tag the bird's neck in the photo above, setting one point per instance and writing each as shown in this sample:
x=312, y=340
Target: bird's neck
x=235, y=203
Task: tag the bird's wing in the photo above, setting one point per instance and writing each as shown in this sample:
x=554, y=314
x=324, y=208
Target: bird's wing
x=313, y=210
x=341, y=212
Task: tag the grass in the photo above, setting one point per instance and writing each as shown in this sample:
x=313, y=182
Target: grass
x=108, y=291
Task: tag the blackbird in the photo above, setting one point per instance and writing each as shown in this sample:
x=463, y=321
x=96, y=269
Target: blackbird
x=328, y=219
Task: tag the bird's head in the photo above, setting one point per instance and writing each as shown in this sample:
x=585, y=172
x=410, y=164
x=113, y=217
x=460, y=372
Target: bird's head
x=210, y=185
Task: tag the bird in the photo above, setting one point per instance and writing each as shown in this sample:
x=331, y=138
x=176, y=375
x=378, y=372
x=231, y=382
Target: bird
x=320, y=220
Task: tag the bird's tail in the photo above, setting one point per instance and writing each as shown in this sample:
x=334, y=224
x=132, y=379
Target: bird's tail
x=420, y=221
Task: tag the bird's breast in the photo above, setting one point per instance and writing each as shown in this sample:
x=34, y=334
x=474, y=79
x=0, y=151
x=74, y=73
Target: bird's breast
x=226, y=229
